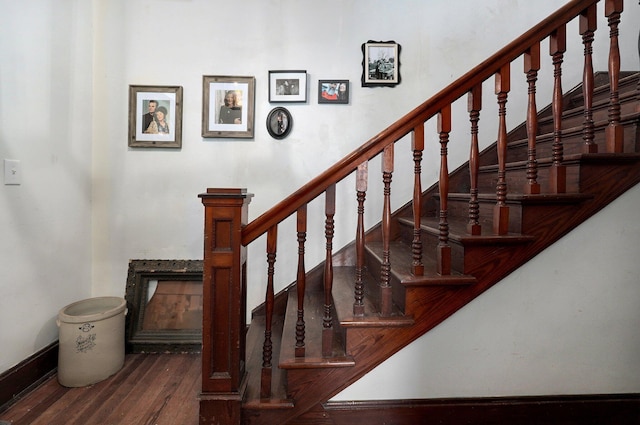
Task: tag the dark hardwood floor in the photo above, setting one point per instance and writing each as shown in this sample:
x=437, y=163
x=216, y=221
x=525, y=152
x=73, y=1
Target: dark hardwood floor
x=150, y=389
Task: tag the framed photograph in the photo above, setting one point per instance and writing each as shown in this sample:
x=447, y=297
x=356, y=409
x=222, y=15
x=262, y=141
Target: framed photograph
x=155, y=116
x=164, y=302
x=228, y=106
x=380, y=63
x=287, y=86
x=333, y=91
x=279, y=123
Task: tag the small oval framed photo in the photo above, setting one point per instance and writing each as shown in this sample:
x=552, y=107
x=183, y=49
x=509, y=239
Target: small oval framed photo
x=279, y=123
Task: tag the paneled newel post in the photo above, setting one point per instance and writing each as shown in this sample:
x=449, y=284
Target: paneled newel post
x=224, y=306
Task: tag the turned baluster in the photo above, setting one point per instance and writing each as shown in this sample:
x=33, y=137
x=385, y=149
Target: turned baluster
x=531, y=68
x=267, y=347
x=615, y=131
x=417, y=145
x=501, y=210
x=444, y=250
x=474, y=105
x=327, y=319
x=588, y=25
x=361, y=189
x=558, y=171
x=385, y=269
x=301, y=280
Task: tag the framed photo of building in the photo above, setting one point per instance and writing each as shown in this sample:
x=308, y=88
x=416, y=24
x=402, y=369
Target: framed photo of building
x=155, y=116
x=380, y=63
x=228, y=106
x=287, y=86
x=333, y=91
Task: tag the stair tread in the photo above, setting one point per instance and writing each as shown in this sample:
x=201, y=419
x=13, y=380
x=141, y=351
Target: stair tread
x=313, y=318
x=401, y=266
x=343, y=295
x=605, y=157
x=255, y=338
x=458, y=231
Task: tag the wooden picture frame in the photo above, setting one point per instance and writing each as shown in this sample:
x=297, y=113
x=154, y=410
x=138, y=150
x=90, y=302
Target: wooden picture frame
x=164, y=302
x=380, y=63
x=146, y=105
x=287, y=86
x=279, y=123
x=228, y=104
x=333, y=91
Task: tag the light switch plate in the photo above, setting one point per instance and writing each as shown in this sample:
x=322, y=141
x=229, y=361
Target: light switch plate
x=12, y=172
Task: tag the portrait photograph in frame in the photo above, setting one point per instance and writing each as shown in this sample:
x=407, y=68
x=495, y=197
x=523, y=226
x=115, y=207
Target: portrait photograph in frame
x=333, y=91
x=380, y=63
x=228, y=106
x=287, y=86
x=279, y=123
x=155, y=116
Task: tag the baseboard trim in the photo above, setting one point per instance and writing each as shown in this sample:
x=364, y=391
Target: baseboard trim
x=605, y=409
x=28, y=374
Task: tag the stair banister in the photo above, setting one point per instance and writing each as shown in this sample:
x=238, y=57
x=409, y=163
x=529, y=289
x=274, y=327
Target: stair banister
x=226, y=212
x=407, y=123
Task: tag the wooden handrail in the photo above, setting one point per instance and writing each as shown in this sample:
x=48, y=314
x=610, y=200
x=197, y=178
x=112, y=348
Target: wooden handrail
x=416, y=117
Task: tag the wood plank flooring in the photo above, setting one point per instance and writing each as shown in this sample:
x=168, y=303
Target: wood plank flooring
x=150, y=389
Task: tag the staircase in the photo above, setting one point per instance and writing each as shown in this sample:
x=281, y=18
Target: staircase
x=428, y=259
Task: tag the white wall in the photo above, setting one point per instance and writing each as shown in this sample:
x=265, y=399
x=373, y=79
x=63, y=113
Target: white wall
x=142, y=203
x=45, y=122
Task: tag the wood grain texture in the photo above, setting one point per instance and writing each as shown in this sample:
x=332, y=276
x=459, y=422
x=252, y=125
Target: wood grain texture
x=157, y=389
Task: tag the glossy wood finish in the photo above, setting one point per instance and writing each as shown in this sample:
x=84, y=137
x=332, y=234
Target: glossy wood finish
x=301, y=280
x=329, y=228
x=558, y=172
x=443, y=253
x=615, y=134
x=385, y=267
x=26, y=375
x=501, y=210
x=588, y=26
x=417, y=145
x=157, y=389
x=224, y=323
x=474, y=105
x=267, y=345
x=531, y=68
x=361, y=190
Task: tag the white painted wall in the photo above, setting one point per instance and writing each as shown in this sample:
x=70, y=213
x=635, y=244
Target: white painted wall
x=142, y=203
x=46, y=81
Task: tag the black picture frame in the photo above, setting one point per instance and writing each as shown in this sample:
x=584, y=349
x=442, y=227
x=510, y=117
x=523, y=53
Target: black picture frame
x=333, y=91
x=380, y=64
x=141, y=277
x=288, y=86
x=279, y=123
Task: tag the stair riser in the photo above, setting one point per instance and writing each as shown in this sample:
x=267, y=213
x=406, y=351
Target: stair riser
x=460, y=208
x=572, y=143
x=517, y=182
x=575, y=117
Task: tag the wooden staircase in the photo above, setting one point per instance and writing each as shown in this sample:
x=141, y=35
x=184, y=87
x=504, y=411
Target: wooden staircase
x=428, y=259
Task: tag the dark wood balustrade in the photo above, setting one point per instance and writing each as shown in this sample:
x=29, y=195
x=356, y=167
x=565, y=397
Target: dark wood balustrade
x=227, y=234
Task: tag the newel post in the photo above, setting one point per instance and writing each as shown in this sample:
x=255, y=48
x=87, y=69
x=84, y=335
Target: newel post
x=224, y=306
